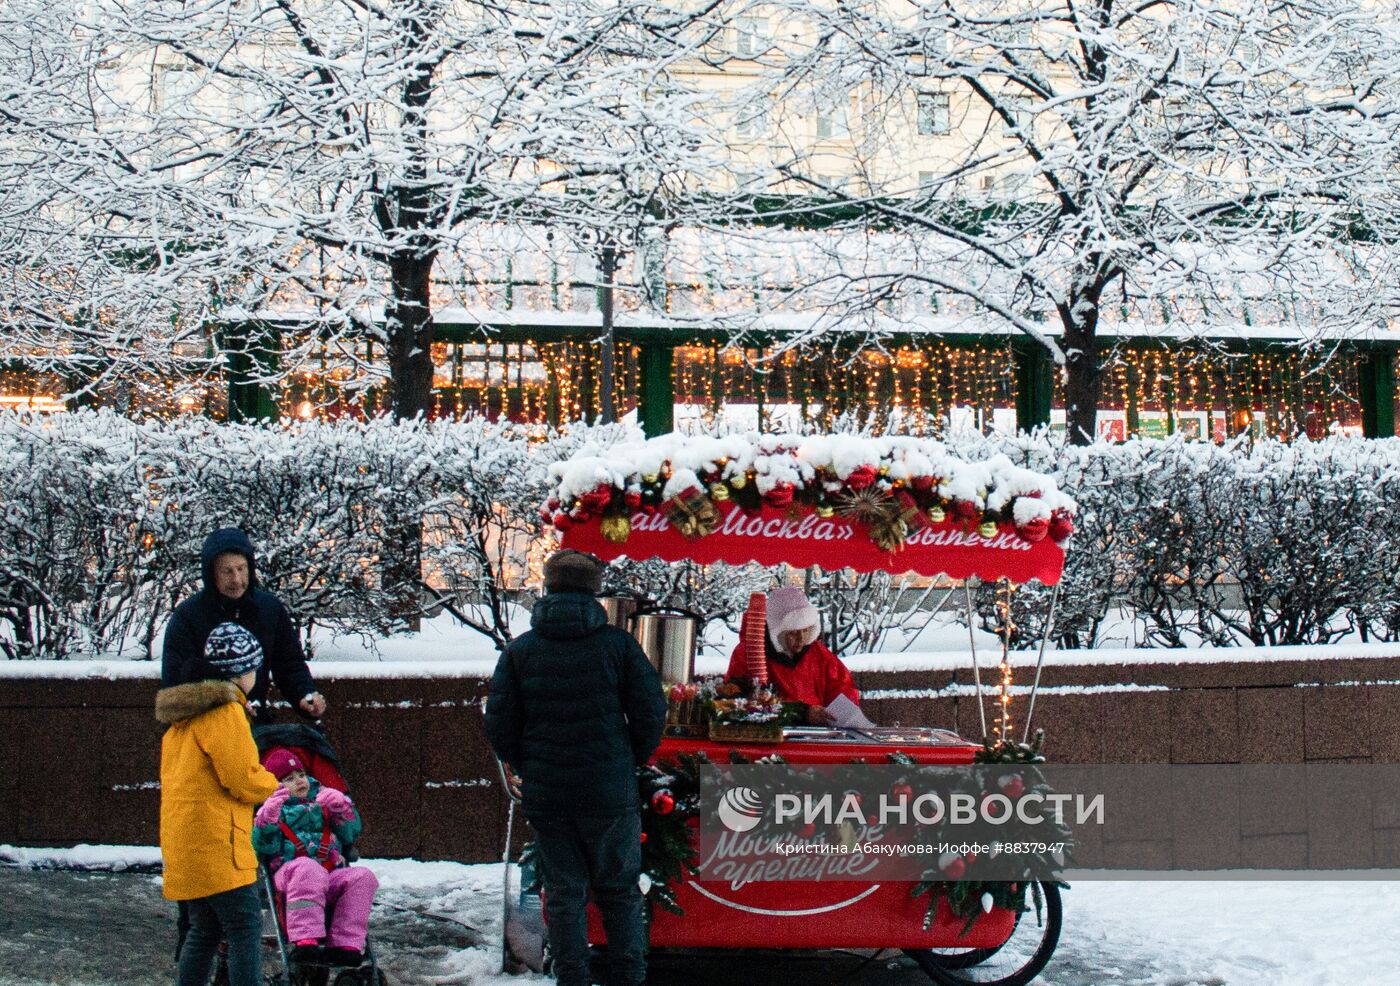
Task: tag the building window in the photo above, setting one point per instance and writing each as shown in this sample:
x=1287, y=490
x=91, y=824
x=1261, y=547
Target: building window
x=933, y=113
x=1014, y=186
x=751, y=122
x=750, y=36
x=833, y=120
x=175, y=88
x=1019, y=109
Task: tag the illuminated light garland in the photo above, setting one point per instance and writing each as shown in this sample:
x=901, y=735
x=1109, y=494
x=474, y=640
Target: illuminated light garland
x=1006, y=629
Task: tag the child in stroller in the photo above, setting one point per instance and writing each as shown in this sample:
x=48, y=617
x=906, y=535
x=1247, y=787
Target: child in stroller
x=303, y=833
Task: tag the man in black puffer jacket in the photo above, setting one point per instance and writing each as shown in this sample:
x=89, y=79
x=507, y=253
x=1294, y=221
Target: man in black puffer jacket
x=231, y=594
x=575, y=708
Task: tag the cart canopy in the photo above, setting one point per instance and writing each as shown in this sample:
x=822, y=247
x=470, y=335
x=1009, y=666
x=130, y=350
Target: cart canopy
x=839, y=501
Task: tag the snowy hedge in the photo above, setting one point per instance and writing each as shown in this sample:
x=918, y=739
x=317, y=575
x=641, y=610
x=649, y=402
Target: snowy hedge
x=102, y=521
x=1192, y=543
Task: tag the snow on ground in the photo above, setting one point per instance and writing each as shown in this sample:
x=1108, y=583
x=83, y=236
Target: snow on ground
x=1154, y=933
x=435, y=653
x=1301, y=933
x=444, y=648
x=82, y=857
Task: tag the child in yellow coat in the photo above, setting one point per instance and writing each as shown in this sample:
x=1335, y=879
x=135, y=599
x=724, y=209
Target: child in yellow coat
x=210, y=779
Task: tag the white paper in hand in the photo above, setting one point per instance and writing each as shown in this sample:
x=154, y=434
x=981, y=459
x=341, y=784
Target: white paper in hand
x=847, y=713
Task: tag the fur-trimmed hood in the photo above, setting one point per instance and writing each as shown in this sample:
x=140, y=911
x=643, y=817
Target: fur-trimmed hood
x=187, y=701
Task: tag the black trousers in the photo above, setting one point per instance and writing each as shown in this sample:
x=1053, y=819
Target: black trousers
x=601, y=854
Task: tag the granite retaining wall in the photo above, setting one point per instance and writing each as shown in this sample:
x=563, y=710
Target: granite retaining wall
x=81, y=750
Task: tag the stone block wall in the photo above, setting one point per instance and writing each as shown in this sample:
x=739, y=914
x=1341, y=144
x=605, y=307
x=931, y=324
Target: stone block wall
x=81, y=753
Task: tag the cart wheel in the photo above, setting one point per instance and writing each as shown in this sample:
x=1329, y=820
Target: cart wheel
x=1015, y=962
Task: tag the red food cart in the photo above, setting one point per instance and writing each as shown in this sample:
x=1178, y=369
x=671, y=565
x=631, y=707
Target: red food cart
x=898, y=505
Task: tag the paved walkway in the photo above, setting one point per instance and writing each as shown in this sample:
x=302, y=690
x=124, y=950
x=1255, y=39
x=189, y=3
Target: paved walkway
x=99, y=929
x=439, y=923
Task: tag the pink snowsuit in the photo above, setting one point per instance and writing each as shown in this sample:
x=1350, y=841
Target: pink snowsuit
x=308, y=885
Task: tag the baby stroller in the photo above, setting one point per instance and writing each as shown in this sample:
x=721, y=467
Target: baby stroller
x=308, y=743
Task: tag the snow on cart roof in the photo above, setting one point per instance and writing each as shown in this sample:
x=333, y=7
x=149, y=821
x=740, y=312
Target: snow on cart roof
x=838, y=501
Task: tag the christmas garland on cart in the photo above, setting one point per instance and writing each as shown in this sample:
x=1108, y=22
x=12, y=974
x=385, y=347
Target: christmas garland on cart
x=877, y=504
x=670, y=793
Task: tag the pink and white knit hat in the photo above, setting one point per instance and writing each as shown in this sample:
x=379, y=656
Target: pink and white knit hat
x=789, y=609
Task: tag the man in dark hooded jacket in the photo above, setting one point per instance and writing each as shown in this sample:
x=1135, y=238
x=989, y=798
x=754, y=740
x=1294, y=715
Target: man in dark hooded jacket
x=575, y=708
x=231, y=594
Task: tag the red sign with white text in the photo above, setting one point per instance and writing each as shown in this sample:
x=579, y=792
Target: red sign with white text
x=772, y=537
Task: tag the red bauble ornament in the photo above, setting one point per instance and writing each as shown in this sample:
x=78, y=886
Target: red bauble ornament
x=861, y=477
x=1061, y=527
x=597, y=499
x=644, y=837
x=562, y=521
x=807, y=831
x=1034, y=530
x=922, y=483
x=1011, y=786
x=901, y=793
x=779, y=496
x=552, y=504
x=966, y=511
x=663, y=803
x=955, y=868
x=632, y=499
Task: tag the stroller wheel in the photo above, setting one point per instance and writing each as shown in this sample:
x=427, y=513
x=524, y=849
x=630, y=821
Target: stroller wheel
x=311, y=975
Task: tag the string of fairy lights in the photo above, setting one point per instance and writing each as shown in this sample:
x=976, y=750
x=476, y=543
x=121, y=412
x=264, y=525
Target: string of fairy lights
x=1207, y=394
x=907, y=388
x=138, y=395
x=1006, y=630
x=920, y=387
x=1190, y=389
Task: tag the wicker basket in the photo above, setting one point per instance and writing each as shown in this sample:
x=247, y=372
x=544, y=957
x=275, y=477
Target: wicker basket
x=746, y=732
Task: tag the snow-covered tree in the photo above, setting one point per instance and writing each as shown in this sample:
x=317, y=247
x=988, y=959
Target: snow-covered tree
x=317, y=158
x=1082, y=159
x=102, y=267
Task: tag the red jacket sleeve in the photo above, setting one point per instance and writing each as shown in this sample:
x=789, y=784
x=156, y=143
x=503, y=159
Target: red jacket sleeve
x=738, y=665
x=836, y=679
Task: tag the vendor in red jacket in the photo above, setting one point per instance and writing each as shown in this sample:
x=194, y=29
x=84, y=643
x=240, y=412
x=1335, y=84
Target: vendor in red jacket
x=800, y=667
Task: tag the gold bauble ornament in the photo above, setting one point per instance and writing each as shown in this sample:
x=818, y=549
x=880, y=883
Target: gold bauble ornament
x=988, y=529
x=719, y=492
x=739, y=481
x=936, y=515
x=615, y=529
x=825, y=511
x=650, y=477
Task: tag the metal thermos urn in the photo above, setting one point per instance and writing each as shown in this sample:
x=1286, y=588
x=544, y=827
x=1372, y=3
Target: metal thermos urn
x=669, y=642
x=619, y=610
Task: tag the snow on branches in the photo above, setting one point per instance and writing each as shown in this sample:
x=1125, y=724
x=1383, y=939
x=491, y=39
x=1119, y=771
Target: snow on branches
x=1188, y=543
